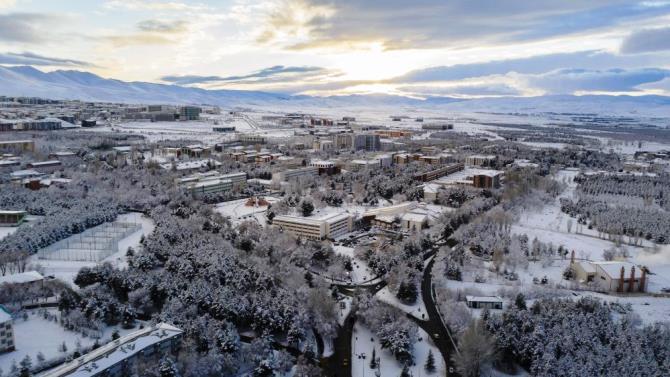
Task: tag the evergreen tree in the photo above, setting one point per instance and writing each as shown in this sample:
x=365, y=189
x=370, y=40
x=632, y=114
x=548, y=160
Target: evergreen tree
x=26, y=365
x=520, y=301
x=168, y=368
x=373, y=360
x=430, y=362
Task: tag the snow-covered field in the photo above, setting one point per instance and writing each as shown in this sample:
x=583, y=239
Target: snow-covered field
x=238, y=211
x=67, y=270
x=7, y=230
x=363, y=341
x=361, y=272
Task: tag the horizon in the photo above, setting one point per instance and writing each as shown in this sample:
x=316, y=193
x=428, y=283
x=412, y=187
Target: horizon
x=319, y=48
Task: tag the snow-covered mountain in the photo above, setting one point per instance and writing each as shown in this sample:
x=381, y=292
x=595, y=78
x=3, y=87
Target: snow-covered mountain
x=28, y=81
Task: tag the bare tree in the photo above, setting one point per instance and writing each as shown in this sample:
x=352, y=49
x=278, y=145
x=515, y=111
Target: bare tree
x=477, y=351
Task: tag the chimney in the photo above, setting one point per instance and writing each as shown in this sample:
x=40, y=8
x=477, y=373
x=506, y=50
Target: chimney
x=572, y=257
x=620, y=288
x=631, y=282
x=643, y=279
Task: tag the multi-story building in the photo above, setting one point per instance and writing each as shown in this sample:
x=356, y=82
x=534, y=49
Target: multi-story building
x=6, y=331
x=437, y=126
x=17, y=145
x=437, y=173
x=189, y=113
x=367, y=142
x=343, y=141
x=288, y=175
x=45, y=166
x=330, y=226
x=481, y=160
x=117, y=358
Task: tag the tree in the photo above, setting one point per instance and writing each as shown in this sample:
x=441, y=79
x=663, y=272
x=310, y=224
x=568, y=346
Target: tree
x=25, y=367
x=430, y=362
x=520, y=301
x=40, y=358
x=476, y=351
x=373, y=360
x=306, y=207
x=167, y=368
x=405, y=372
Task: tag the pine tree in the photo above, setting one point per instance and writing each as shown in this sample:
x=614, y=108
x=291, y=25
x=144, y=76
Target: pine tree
x=405, y=372
x=26, y=364
x=430, y=362
x=520, y=302
x=373, y=361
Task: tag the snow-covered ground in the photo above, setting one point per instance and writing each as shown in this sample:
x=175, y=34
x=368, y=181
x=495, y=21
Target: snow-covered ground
x=67, y=270
x=363, y=341
x=417, y=310
x=7, y=230
x=40, y=335
x=361, y=272
x=238, y=211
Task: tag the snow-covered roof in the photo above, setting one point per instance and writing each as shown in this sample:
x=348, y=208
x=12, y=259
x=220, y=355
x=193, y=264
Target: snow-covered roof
x=613, y=268
x=4, y=315
x=414, y=217
x=100, y=359
x=21, y=278
x=587, y=267
x=483, y=298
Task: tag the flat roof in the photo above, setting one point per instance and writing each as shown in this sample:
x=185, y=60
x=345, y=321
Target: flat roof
x=484, y=298
x=21, y=278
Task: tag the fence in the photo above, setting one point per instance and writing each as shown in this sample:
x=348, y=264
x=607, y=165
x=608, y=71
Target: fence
x=91, y=245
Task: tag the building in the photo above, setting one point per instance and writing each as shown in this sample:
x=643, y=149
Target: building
x=252, y=139
x=437, y=126
x=292, y=174
x=22, y=278
x=223, y=129
x=481, y=160
x=487, y=179
x=329, y=226
x=484, y=302
x=45, y=167
x=437, y=173
x=17, y=146
x=612, y=276
x=324, y=166
x=343, y=141
x=189, y=113
x=6, y=331
x=367, y=142
x=116, y=358
x=212, y=183
x=12, y=218
x=413, y=221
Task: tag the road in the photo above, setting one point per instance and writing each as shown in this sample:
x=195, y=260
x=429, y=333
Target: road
x=339, y=364
x=438, y=332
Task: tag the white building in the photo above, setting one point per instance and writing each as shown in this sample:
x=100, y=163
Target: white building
x=484, y=302
x=288, y=175
x=329, y=226
x=6, y=331
x=115, y=359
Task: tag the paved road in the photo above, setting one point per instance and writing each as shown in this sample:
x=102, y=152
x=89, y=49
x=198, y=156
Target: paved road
x=339, y=364
x=433, y=326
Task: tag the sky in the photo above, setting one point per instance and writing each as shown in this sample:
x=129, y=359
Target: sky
x=418, y=48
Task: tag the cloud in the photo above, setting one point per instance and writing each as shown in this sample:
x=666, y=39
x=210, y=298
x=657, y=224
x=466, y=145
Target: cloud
x=649, y=40
x=156, y=26
x=571, y=81
x=4, y=4
x=396, y=24
x=275, y=74
x=23, y=27
x=464, y=90
x=29, y=58
x=150, y=32
x=136, y=5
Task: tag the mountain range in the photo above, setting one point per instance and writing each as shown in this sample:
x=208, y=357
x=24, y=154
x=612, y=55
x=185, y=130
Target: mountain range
x=71, y=84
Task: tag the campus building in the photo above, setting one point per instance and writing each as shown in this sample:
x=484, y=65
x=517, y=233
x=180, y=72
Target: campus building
x=12, y=218
x=6, y=331
x=330, y=226
x=117, y=358
x=287, y=175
